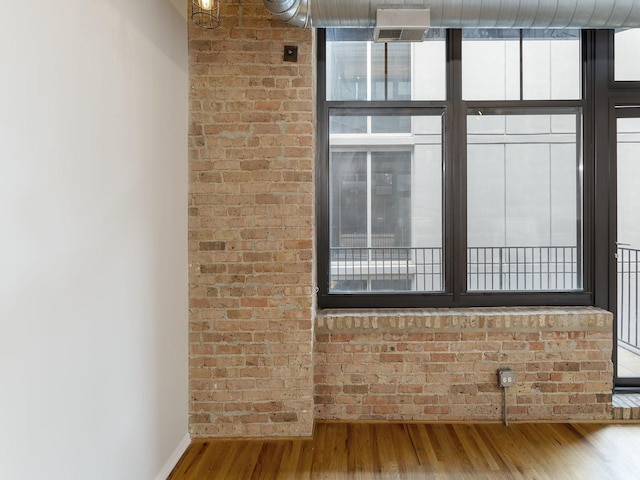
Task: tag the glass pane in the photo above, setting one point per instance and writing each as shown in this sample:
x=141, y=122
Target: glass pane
x=628, y=246
x=391, y=124
x=348, y=199
x=391, y=199
x=627, y=55
x=491, y=58
x=348, y=124
x=359, y=69
x=375, y=124
x=386, y=209
x=524, y=203
x=347, y=71
x=391, y=71
x=628, y=166
x=490, y=64
x=429, y=67
x=551, y=65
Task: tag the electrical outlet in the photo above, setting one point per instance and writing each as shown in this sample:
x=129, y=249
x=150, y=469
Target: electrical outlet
x=506, y=378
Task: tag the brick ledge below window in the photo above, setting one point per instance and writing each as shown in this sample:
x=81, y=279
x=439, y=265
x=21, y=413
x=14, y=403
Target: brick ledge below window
x=469, y=319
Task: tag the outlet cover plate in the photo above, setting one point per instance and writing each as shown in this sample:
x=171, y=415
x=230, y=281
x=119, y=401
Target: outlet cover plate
x=506, y=377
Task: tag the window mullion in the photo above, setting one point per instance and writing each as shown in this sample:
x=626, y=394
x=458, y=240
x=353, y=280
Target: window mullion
x=521, y=61
x=369, y=205
x=369, y=71
x=455, y=217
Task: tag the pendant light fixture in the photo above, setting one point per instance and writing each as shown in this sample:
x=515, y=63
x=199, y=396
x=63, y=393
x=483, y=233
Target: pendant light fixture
x=205, y=13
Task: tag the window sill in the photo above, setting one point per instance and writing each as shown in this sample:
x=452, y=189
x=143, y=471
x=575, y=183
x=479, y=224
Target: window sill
x=522, y=319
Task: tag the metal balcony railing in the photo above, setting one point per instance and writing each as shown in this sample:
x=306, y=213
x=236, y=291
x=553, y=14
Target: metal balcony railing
x=387, y=269
x=488, y=269
x=523, y=268
x=628, y=270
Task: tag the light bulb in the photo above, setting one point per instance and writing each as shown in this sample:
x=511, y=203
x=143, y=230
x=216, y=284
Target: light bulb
x=206, y=4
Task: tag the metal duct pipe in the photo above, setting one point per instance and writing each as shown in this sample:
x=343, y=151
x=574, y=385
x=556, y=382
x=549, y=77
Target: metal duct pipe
x=465, y=13
x=295, y=12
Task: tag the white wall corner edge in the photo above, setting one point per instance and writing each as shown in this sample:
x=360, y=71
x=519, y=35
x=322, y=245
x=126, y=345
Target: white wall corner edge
x=181, y=6
x=168, y=467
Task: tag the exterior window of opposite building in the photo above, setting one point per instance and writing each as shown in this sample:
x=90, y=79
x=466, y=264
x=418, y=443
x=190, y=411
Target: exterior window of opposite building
x=451, y=171
x=626, y=55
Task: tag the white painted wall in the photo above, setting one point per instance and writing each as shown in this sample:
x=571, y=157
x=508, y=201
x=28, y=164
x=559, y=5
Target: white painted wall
x=93, y=239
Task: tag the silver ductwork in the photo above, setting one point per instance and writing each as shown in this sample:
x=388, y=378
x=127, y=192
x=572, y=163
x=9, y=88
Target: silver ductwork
x=465, y=13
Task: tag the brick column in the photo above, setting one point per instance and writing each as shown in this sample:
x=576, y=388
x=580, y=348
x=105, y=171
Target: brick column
x=251, y=226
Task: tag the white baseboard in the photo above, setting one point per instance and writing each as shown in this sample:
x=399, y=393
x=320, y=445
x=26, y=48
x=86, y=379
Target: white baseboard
x=173, y=459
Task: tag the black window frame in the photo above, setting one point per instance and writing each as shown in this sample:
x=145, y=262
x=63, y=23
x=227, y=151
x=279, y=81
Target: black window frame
x=611, y=95
x=454, y=192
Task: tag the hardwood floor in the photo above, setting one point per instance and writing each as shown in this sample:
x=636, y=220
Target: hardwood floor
x=424, y=451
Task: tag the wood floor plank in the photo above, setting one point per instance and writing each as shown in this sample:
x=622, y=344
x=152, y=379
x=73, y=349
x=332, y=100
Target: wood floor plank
x=512, y=447
x=305, y=462
x=318, y=465
x=228, y=466
x=386, y=452
x=575, y=458
x=439, y=460
x=540, y=439
x=289, y=461
x=214, y=456
x=249, y=459
x=417, y=443
x=406, y=457
x=487, y=454
x=206, y=460
x=494, y=437
x=188, y=463
x=338, y=448
x=269, y=460
x=466, y=464
x=359, y=451
x=472, y=450
x=452, y=452
x=376, y=451
x=432, y=467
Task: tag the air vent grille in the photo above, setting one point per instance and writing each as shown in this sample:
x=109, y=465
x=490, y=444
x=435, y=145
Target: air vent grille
x=390, y=34
x=401, y=25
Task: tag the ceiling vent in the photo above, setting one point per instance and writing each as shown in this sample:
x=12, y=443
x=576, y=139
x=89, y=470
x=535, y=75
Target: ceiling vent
x=401, y=25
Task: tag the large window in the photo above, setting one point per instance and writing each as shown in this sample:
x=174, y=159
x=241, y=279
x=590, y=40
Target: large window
x=524, y=201
x=385, y=214
x=454, y=170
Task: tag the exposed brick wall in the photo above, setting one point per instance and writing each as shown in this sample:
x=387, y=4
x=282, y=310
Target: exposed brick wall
x=252, y=365
x=251, y=226
x=442, y=365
